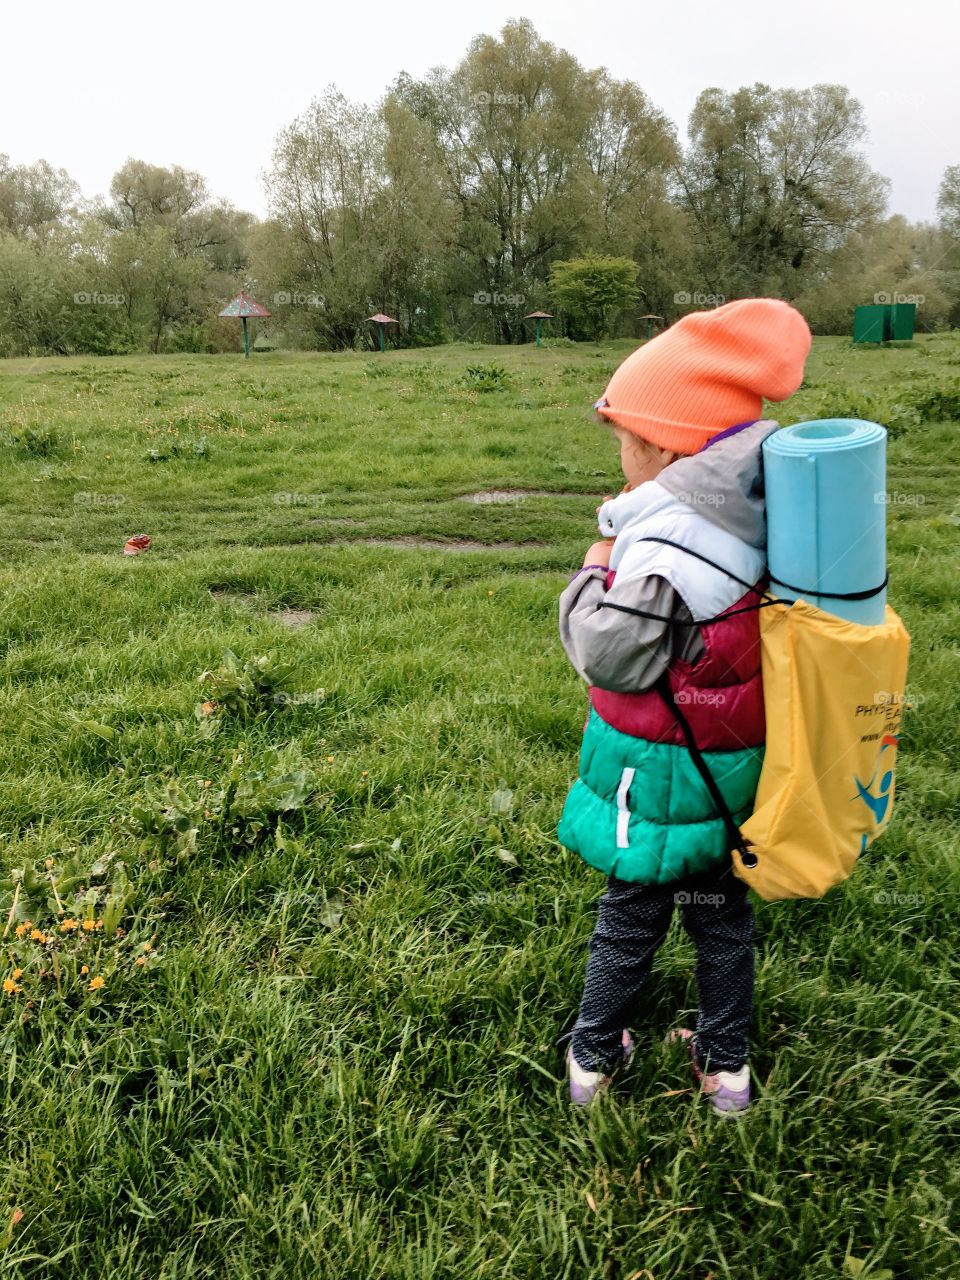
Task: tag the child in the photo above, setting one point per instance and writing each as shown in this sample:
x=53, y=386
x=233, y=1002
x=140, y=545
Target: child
x=640, y=623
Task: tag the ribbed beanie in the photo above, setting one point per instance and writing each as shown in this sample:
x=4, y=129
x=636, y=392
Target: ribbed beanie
x=709, y=371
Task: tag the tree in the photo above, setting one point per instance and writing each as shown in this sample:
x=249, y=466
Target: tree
x=948, y=200
x=775, y=185
x=543, y=160
x=35, y=200
x=593, y=289
x=324, y=188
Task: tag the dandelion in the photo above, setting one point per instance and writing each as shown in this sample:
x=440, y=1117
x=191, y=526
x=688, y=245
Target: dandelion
x=22, y=929
x=365, y=774
x=330, y=759
x=97, y=983
x=489, y=593
x=148, y=946
x=141, y=961
x=68, y=925
x=17, y=973
x=37, y=935
x=10, y=987
x=88, y=926
x=84, y=969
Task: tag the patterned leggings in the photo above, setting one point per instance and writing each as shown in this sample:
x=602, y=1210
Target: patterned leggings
x=633, y=920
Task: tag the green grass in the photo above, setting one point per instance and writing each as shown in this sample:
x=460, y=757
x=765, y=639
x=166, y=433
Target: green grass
x=338, y=1057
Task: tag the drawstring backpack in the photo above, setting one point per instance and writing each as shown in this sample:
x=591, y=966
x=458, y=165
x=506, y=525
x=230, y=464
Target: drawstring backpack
x=836, y=690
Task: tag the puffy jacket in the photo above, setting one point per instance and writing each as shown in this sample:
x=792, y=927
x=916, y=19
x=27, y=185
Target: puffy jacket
x=639, y=809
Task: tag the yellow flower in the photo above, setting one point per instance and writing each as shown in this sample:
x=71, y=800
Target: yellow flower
x=330, y=759
x=365, y=774
x=148, y=946
x=21, y=930
x=141, y=960
x=10, y=987
x=96, y=983
x=84, y=968
x=17, y=973
x=68, y=925
x=37, y=935
x=88, y=926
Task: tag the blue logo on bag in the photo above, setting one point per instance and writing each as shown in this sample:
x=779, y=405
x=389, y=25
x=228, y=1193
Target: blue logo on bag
x=878, y=802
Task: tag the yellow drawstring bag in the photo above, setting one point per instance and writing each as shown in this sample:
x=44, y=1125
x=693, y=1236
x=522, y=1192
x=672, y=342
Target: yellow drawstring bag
x=834, y=693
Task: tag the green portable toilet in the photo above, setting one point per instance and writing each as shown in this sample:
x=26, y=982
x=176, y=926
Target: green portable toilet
x=869, y=324
x=886, y=322
x=904, y=320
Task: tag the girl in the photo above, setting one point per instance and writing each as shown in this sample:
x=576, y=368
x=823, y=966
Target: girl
x=659, y=622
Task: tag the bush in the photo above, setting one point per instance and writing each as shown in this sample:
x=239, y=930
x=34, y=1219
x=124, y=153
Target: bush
x=249, y=690
x=937, y=403
x=32, y=442
x=486, y=377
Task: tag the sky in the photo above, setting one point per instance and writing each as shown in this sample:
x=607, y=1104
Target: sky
x=209, y=86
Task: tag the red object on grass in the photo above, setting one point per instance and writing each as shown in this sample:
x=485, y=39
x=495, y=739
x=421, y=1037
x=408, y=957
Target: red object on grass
x=139, y=542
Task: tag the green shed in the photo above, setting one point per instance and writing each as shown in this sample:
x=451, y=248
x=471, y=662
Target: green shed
x=885, y=322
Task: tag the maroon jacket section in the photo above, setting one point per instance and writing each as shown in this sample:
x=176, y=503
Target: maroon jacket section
x=721, y=694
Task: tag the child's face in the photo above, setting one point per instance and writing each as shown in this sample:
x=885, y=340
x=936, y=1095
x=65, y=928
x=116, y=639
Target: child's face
x=639, y=460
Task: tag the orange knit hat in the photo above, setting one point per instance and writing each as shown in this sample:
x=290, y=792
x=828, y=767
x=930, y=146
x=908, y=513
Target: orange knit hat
x=709, y=371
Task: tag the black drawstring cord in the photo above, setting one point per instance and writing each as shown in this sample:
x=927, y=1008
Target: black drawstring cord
x=750, y=608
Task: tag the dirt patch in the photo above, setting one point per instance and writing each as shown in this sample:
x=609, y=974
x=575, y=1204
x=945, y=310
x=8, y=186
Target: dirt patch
x=294, y=619
x=486, y=497
x=244, y=597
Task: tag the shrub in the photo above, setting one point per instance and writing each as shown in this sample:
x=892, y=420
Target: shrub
x=486, y=377
x=250, y=689
x=32, y=442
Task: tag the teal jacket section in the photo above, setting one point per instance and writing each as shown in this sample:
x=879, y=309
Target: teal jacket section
x=640, y=810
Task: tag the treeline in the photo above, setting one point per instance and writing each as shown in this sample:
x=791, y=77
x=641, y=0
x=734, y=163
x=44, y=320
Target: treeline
x=518, y=181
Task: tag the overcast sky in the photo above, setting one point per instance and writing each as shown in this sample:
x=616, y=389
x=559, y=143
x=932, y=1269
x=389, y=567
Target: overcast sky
x=208, y=86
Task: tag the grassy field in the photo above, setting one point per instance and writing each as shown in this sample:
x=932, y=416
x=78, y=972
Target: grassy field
x=322, y=1043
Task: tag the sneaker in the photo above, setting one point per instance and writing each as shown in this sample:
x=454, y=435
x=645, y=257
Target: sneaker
x=586, y=1085
x=728, y=1091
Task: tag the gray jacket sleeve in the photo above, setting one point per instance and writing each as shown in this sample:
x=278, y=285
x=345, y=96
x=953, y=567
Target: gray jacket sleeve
x=616, y=650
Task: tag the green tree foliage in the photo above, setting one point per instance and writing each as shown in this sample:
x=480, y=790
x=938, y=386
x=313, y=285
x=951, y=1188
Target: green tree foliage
x=775, y=185
x=359, y=223
x=35, y=200
x=592, y=290
x=542, y=160
x=470, y=196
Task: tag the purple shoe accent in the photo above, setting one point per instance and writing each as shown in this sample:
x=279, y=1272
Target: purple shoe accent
x=582, y=1093
x=730, y=1101
x=724, y=1098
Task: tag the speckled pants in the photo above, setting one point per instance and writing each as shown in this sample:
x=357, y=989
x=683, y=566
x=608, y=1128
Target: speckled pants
x=633, y=920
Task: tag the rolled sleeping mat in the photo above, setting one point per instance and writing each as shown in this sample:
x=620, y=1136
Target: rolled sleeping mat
x=825, y=485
